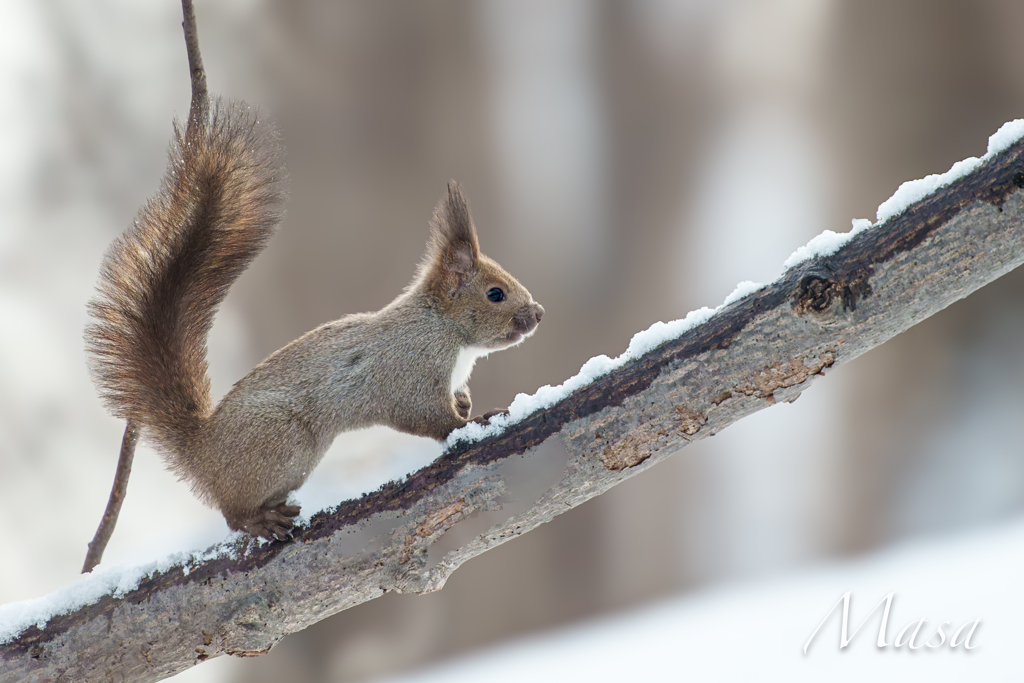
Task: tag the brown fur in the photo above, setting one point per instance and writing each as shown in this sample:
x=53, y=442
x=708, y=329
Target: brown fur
x=161, y=282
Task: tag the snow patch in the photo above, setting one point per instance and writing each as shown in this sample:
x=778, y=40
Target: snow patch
x=826, y=244
x=916, y=190
x=742, y=290
x=1008, y=133
x=115, y=580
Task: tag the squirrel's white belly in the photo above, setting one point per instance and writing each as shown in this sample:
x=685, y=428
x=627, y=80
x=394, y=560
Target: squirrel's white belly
x=464, y=365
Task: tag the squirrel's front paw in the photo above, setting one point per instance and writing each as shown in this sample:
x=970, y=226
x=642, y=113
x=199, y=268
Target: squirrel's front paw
x=463, y=405
x=272, y=523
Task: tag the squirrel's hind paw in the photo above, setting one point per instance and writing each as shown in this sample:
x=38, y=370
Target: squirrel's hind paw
x=273, y=523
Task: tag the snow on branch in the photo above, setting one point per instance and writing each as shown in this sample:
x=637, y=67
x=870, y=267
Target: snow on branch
x=678, y=382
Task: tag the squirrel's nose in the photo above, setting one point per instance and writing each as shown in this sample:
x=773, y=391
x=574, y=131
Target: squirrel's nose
x=526, y=321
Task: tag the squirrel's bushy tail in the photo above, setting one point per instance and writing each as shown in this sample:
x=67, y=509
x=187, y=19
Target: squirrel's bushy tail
x=162, y=280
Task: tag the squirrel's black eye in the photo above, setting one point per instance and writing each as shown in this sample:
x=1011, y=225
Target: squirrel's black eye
x=495, y=294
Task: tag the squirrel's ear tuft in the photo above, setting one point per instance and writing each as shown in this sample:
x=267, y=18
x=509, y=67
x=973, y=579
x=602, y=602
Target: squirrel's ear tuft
x=454, y=250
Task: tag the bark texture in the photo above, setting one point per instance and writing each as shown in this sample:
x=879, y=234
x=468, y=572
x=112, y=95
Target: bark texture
x=410, y=536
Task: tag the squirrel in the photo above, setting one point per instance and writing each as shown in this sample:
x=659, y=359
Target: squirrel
x=405, y=366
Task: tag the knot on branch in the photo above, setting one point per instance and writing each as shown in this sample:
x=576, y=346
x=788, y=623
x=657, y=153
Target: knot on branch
x=820, y=294
x=1018, y=178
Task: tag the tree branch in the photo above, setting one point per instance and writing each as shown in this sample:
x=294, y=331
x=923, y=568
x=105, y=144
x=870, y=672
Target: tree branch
x=409, y=537
x=200, y=104
x=117, y=492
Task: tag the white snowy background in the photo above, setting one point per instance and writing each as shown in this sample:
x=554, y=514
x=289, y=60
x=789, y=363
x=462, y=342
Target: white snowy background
x=629, y=162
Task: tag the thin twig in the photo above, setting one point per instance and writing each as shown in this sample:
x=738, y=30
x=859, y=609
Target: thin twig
x=117, y=492
x=200, y=97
